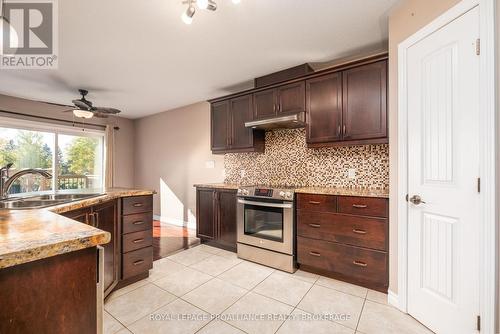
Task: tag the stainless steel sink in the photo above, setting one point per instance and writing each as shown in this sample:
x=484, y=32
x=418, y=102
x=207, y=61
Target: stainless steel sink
x=42, y=201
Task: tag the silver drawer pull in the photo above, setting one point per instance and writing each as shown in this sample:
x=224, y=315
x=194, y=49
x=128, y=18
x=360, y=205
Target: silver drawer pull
x=314, y=202
x=315, y=254
x=315, y=225
x=136, y=263
x=140, y=222
x=360, y=206
x=136, y=241
x=137, y=205
x=359, y=263
x=355, y=230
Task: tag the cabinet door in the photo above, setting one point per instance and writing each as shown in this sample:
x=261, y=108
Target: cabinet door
x=106, y=218
x=292, y=98
x=264, y=104
x=227, y=218
x=220, y=125
x=324, y=109
x=241, y=112
x=364, y=99
x=80, y=215
x=205, y=217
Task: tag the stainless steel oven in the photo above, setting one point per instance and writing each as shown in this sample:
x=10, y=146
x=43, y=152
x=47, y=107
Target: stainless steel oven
x=265, y=219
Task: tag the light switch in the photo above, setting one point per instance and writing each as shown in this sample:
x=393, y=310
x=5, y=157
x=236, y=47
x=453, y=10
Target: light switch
x=351, y=173
x=210, y=164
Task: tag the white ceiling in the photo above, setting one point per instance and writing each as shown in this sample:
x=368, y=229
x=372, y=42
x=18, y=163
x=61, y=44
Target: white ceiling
x=140, y=57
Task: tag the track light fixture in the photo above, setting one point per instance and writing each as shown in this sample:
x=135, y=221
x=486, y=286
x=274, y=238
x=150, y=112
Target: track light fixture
x=187, y=16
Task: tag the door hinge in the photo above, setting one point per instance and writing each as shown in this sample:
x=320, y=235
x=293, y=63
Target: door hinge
x=478, y=325
x=478, y=46
x=478, y=184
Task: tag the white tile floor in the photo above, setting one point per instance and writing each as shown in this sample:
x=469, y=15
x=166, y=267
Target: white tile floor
x=185, y=291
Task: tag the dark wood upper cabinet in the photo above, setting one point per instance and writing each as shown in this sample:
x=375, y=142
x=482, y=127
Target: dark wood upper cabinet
x=291, y=98
x=220, y=125
x=324, y=108
x=106, y=219
x=264, y=104
x=205, y=214
x=364, y=102
x=241, y=109
x=227, y=218
x=228, y=130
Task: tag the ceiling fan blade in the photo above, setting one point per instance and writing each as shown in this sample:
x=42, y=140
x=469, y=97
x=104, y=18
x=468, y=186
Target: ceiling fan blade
x=107, y=110
x=99, y=115
x=55, y=104
x=82, y=104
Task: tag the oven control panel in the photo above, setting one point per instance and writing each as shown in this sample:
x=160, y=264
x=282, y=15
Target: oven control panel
x=263, y=192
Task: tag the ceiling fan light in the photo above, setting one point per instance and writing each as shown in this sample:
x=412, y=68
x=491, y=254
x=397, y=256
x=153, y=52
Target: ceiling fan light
x=187, y=16
x=83, y=113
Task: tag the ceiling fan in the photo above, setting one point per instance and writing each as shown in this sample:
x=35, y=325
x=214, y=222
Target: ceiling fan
x=84, y=108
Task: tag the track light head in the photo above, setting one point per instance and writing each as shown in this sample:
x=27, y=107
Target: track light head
x=187, y=16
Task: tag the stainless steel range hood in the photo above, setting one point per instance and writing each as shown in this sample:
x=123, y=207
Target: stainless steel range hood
x=278, y=122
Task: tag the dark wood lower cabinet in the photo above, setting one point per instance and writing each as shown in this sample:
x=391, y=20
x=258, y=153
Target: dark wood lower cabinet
x=345, y=237
x=216, y=217
x=106, y=218
x=129, y=255
x=53, y=295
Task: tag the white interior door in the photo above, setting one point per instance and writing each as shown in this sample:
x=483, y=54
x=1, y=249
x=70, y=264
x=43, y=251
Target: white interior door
x=442, y=74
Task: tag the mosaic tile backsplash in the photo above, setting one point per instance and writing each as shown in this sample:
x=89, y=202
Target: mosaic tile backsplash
x=288, y=161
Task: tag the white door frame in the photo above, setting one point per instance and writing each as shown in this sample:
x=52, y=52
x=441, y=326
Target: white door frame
x=487, y=157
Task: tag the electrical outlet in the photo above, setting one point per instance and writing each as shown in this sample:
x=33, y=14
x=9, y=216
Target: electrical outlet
x=351, y=173
x=243, y=173
x=210, y=164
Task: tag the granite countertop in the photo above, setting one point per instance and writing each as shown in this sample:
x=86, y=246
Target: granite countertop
x=34, y=234
x=218, y=185
x=363, y=192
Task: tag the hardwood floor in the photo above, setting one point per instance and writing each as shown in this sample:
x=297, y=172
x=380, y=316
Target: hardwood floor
x=168, y=239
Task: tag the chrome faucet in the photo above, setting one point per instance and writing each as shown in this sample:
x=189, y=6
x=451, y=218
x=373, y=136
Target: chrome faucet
x=6, y=181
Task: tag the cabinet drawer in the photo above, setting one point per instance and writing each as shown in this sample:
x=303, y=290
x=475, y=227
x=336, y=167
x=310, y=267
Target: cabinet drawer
x=137, y=240
x=349, y=261
x=137, y=204
x=353, y=230
x=137, y=262
x=313, y=202
x=365, y=206
x=137, y=222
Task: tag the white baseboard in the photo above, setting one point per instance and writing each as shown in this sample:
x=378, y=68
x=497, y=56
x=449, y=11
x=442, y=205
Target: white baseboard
x=392, y=299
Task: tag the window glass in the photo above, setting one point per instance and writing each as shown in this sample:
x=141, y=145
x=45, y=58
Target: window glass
x=78, y=159
x=80, y=162
x=27, y=149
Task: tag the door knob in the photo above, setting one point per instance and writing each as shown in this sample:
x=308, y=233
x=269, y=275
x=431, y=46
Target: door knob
x=415, y=199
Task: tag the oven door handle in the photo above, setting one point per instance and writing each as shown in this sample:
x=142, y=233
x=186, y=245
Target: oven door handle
x=271, y=205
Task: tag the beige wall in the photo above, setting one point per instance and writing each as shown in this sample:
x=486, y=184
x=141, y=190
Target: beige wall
x=124, y=138
x=171, y=151
x=405, y=19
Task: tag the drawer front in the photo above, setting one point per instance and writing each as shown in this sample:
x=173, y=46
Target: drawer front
x=137, y=240
x=137, y=222
x=312, y=202
x=364, y=206
x=353, y=230
x=358, y=263
x=137, y=204
x=137, y=262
